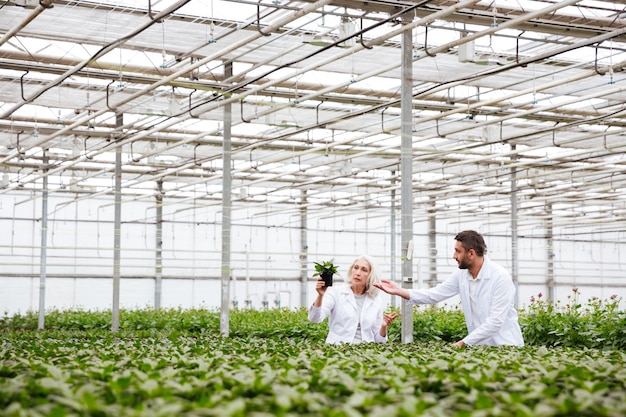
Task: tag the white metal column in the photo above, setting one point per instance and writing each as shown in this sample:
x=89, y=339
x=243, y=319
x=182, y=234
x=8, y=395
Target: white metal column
x=44, y=244
x=304, y=250
x=514, y=242
x=226, y=212
x=406, y=180
x=158, y=261
x=117, y=236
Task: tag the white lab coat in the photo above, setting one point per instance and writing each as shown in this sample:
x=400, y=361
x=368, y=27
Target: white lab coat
x=497, y=318
x=341, y=309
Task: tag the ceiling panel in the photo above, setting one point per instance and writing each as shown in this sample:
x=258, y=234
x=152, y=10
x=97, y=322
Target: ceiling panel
x=314, y=110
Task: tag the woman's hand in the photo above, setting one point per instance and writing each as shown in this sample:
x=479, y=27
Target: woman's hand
x=319, y=286
x=388, y=318
x=321, y=290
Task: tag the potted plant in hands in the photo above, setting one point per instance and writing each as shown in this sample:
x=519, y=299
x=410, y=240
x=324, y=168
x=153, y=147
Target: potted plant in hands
x=326, y=270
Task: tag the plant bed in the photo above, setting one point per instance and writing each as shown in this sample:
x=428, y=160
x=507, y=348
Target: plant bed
x=58, y=373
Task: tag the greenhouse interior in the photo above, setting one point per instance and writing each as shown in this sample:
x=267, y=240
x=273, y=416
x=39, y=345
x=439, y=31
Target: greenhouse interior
x=206, y=153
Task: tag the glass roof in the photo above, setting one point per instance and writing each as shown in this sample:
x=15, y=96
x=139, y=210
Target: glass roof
x=530, y=91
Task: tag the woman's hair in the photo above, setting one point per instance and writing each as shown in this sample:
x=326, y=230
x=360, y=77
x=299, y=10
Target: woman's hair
x=374, y=275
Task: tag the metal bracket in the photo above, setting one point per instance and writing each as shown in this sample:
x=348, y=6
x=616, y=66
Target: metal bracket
x=108, y=105
x=189, y=111
x=426, y=44
x=258, y=19
x=241, y=107
x=22, y=84
x=595, y=65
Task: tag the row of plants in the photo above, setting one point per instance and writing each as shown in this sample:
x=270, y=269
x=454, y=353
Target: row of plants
x=596, y=324
x=87, y=373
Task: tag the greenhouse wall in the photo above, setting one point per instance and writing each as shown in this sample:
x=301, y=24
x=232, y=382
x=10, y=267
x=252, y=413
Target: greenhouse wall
x=266, y=252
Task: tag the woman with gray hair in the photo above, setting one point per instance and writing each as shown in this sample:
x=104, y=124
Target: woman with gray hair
x=355, y=311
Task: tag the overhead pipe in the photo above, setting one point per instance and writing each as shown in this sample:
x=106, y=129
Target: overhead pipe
x=346, y=52
x=469, y=2
x=103, y=51
x=512, y=95
x=41, y=7
x=164, y=80
x=199, y=63
x=422, y=22
x=443, y=192
x=540, y=146
x=487, y=156
x=448, y=46
x=450, y=11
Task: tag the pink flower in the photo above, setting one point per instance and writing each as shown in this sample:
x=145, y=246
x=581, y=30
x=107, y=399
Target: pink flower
x=539, y=295
x=575, y=289
x=614, y=296
x=532, y=299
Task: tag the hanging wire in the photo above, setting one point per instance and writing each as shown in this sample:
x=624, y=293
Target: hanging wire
x=163, y=53
x=211, y=26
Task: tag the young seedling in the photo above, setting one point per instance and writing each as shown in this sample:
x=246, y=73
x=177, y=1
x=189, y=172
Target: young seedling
x=326, y=270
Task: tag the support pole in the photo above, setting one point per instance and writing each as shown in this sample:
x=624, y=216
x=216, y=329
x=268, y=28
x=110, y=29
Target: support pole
x=117, y=235
x=406, y=185
x=394, y=249
x=226, y=212
x=432, y=243
x=158, y=261
x=304, y=250
x=514, y=242
x=44, y=244
x=551, y=296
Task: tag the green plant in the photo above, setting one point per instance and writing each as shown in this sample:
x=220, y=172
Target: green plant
x=62, y=373
x=325, y=267
x=326, y=270
x=600, y=324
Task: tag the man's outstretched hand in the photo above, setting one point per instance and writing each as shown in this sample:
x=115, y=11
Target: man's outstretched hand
x=392, y=288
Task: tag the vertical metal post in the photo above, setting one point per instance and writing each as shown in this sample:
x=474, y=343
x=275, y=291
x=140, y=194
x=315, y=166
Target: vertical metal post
x=226, y=212
x=158, y=255
x=394, y=249
x=117, y=235
x=44, y=244
x=406, y=185
x=432, y=242
x=514, y=242
x=304, y=250
x=551, y=296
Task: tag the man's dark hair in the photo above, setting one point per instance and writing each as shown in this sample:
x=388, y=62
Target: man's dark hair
x=471, y=239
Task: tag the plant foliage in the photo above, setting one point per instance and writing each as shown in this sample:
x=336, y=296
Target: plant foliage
x=95, y=373
x=174, y=362
x=325, y=268
x=599, y=324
